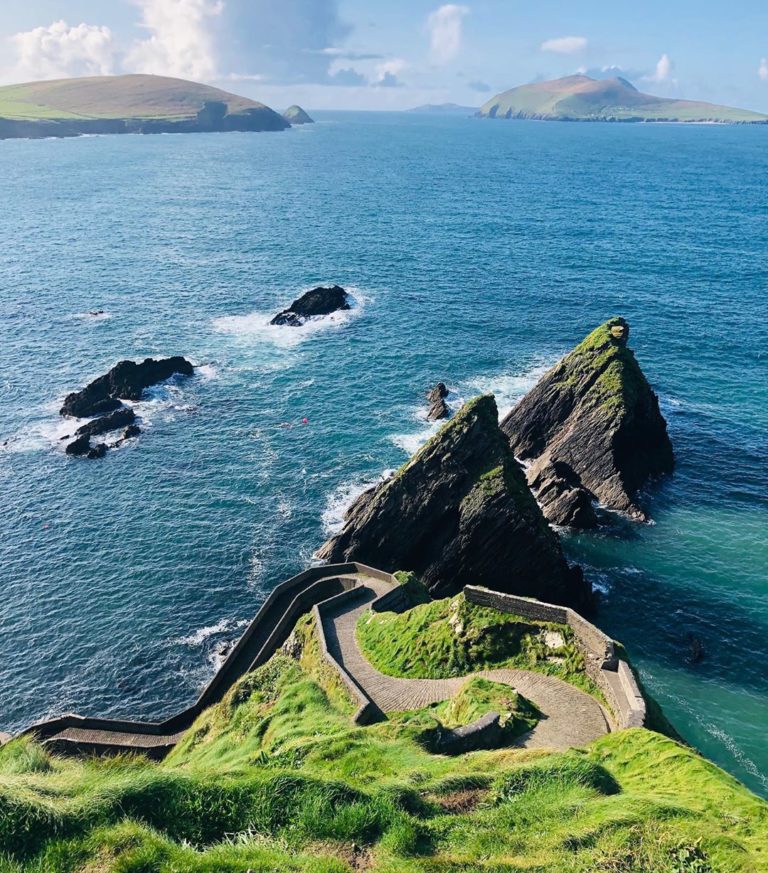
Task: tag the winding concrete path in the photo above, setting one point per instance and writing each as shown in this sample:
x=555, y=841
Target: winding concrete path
x=570, y=716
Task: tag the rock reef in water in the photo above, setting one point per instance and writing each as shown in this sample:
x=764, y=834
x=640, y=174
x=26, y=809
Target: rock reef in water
x=296, y=115
x=460, y=512
x=438, y=408
x=125, y=381
x=318, y=301
x=591, y=430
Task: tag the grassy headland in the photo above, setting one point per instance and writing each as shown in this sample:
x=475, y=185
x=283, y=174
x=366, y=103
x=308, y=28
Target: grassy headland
x=276, y=777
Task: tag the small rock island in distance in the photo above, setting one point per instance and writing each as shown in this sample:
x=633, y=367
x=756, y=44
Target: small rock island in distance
x=581, y=98
x=127, y=104
x=296, y=115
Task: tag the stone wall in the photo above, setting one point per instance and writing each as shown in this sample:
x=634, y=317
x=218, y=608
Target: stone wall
x=611, y=675
x=157, y=738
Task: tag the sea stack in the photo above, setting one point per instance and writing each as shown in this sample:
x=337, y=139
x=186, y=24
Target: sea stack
x=591, y=431
x=460, y=512
x=438, y=408
x=296, y=115
x=318, y=301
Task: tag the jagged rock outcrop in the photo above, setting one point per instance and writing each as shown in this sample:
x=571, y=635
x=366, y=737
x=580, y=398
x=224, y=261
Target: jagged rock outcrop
x=318, y=301
x=125, y=381
x=438, y=408
x=114, y=421
x=591, y=430
x=460, y=512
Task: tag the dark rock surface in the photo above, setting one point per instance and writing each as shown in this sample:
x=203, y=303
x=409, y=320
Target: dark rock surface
x=127, y=381
x=98, y=451
x=460, y=512
x=79, y=447
x=592, y=431
x=114, y=421
x=318, y=301
x=438, y=408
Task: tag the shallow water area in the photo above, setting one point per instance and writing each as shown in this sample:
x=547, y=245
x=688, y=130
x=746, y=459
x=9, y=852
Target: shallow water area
x=478, y=253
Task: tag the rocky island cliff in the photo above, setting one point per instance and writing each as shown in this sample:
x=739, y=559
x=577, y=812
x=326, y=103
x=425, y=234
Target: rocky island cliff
x=591, y=430
x=460, y=512
x=127, y=104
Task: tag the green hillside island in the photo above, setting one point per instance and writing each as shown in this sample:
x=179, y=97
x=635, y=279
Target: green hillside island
x=127, y=104
x=581, y=98
x=277, y=777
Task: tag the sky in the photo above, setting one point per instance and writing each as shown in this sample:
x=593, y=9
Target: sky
x=396, y=54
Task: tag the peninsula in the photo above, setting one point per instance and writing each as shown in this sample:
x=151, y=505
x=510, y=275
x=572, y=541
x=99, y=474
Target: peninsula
x=581, y=98
x=127, y=104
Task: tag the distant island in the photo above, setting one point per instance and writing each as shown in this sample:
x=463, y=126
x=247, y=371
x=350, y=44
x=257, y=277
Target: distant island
x=581, y=98
x=296, y=115
x=127, y=104
x=444, y=109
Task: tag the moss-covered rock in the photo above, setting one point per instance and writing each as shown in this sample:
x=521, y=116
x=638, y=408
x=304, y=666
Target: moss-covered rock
x=591, y=430
x=460, y=512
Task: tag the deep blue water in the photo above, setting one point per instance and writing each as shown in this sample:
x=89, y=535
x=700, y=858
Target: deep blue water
x=479, y=252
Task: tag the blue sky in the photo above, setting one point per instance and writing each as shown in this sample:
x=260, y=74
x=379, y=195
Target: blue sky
x=396, y=53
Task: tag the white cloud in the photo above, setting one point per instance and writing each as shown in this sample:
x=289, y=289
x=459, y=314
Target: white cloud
x=565, y=45
x=663, y=70
x=180, y=41
x=445, y=28
x=762, y=70
x=387, y=73
x=60, y=51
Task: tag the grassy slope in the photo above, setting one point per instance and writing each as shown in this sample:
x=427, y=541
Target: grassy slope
x=582, y=98
x=276, y=778
x=133, y=96
x=451, y=637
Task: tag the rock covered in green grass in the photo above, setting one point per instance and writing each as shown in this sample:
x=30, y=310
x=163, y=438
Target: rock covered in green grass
x=296, y=115
x=460, y=512
x=590, y=430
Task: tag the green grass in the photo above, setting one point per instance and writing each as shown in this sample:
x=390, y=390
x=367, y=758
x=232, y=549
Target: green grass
x=130, y=97
x=452, y=637
x=276, y=777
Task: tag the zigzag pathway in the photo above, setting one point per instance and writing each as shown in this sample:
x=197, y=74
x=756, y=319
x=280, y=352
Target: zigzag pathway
x=571, y=717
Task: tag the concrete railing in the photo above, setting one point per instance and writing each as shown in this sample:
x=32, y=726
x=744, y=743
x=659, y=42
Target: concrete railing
x=276, y=617
x=611, y=675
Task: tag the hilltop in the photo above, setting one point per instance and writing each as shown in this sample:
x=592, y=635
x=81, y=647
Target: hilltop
x=127, y=104
x=581, y=98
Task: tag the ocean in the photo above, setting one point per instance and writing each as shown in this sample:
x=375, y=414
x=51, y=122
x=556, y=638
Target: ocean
x=478, y=252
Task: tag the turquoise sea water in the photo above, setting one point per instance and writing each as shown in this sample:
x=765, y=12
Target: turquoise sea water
x=479, y=252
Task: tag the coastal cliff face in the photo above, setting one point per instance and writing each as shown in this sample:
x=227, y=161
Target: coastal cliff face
x=460, y=512
x=591, y=430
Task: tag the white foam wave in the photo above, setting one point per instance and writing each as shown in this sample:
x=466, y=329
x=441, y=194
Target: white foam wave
x=256, y=326
x=207, y=372
x=342, y=497
x=508, y=388
x=200, y=636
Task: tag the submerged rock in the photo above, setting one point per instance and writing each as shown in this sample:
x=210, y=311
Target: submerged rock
x=591, y=430
x=460, y=512
x=438, y=408
x=296, y=115
x=318, y=301
x=125, y=381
